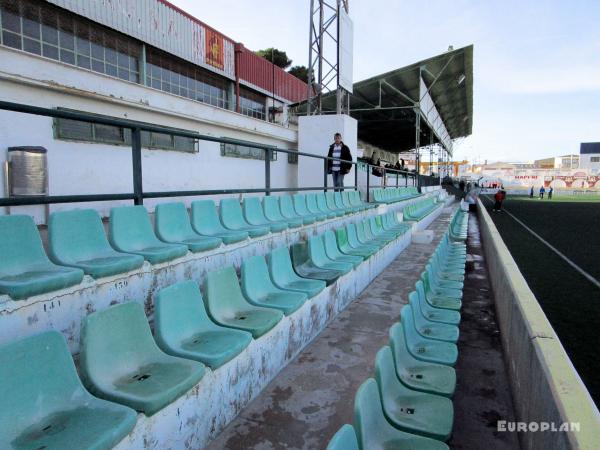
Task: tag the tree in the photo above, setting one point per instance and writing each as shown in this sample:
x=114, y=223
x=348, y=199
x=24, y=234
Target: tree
x=277, y=57
x=300, y=72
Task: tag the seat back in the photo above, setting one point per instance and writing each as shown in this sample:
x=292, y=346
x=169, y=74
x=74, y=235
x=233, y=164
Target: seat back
x=344, y=439
x=38, y=379
x=316, y=250
x=354, y=198
x=287, y=207
x=299, y=252
x=271, y=209
x=223, y=294
x=337, y=199
x=231, y=215
x=311, y=204
x=115, y=342
x=256, y=281
x=385, y=372
x=253, y=212
x=341, y=236
x=329, y=198
x=322, y=202
x=300, y=205
x=172, y=222
x=20, y=245
x=408, y=324
x=402, y=357
x=369, y=420
x=352, y=233
x=205, y=219
x=179, y=313
x=280, y=266
x=331, y=247
x=131, y=229
x=76, y=235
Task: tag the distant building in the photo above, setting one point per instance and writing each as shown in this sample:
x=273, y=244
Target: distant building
x=557, y=162
x=589, y=154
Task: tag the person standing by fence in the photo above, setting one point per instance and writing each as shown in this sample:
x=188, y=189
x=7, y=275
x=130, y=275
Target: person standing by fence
x=542, y=190
x=338, y=169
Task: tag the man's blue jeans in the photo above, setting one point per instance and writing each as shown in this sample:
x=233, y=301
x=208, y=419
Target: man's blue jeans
x=338, y=180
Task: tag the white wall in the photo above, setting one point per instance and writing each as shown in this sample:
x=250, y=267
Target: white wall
x=84, y=168
x=586, y=163
x=315, y=135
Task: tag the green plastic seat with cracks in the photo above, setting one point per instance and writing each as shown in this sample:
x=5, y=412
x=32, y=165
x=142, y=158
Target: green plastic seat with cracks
x=227, y=306
x=131, y=232
x=259, y=290
x=25, y=270
x=416, y=412
x=77, y=239
x=375, y=432
x=120, y=361
x=182, y=327
x=430, y=329
x=44, y=405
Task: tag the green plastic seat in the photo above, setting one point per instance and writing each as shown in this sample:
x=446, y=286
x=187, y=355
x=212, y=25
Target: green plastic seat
x=344, y=439
x=355, y=243
x=301, y=208
x=273, y=212
x=377, y=230
x=428, y=350
x=331, y=203
x=44, y=405
x=373, y=430
x=390, y=221
x=259, y=290
x=412, y=411
x=182, y=327
x=254, y=214
x=437, y=288
x=313, y=207
x=77, y=239
x=173, y=226
x=228, y=307
x=205, y=221
x=306, y=268
x=323, y=206
x=25, y=270
x=432, y=313
x=131, y=232
x=430, y=329
x=283, y=275
x=364, y=239
x=339, y=203
x=232, y=218
x=341, y=235
x=447, y=270
x=120, y=361
x=437, y=300
x=348, y=203
x=357, y=201
x=286, y=206
x=416, y=374
x=333, y=252
x=444, y=280
x=383, y=238
x=317, y=254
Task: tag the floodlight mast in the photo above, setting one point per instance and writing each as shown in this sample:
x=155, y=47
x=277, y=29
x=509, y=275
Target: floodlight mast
x=323, y=72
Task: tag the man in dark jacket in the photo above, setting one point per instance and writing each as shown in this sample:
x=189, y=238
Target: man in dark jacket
x=338, y=168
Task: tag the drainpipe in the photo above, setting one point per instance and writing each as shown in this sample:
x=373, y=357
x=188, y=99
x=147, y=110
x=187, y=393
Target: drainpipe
x=239, y=48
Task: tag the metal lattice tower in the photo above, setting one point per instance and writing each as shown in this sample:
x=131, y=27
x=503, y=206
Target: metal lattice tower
x=323, y=55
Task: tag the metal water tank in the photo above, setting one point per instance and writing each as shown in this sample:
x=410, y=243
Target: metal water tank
x=28, y=171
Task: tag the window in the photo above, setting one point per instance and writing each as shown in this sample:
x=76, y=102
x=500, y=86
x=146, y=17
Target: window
x=292, y=158
x=595, y=159
x=170, y=74
x=241, y=151
x=76, y=130
x=252, y=104
x=42, y=29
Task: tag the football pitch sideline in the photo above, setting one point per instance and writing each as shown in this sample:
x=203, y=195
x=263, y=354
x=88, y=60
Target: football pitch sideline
x=556, y=245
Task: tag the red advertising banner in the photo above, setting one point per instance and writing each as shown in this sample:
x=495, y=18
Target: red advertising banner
x=213, y=50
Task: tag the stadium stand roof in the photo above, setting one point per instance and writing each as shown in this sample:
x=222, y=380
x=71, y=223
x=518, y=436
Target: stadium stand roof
x=383, y=104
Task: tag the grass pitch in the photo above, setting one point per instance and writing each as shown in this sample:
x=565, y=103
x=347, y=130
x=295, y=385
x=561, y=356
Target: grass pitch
x=571, y=302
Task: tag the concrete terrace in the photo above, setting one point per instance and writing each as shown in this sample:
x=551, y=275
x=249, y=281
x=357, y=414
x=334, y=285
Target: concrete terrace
x=314, y=395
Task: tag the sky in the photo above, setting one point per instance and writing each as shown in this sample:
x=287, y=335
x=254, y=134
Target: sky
x=536, y=87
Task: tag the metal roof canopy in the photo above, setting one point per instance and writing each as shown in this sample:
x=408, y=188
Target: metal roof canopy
x=386, y=105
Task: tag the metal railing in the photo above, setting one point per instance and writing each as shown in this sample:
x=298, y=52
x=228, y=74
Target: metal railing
x=138, y=195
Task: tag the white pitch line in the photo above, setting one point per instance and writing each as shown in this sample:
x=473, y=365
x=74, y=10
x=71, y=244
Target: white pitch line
x=567, y=260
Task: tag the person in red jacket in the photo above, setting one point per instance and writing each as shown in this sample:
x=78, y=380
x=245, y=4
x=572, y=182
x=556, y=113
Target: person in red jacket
x=499, y=197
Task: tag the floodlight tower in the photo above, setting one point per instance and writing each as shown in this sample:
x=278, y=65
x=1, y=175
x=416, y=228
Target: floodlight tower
x=329, y=54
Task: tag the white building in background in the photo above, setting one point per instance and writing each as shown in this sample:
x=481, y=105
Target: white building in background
x=589, y=156
x=155, y=65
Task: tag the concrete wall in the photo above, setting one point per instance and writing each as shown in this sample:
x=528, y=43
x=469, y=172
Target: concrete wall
x=84, y=168
x=545, y=385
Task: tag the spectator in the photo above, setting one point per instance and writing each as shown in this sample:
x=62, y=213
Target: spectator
x=542, y=190
x=338, y=169
x=531, y=192
x=550, y=191
x=499, y=197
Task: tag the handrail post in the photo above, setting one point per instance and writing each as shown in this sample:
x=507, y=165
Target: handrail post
x=325, y=175
x=356, y=176
x=268, y=153
x=136, y=159
x=397, y=177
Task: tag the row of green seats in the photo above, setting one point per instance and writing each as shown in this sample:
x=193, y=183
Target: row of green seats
x=421, y=209
x=78, y=242
x=393, y=195
x=408, y=403
x=458, y=226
